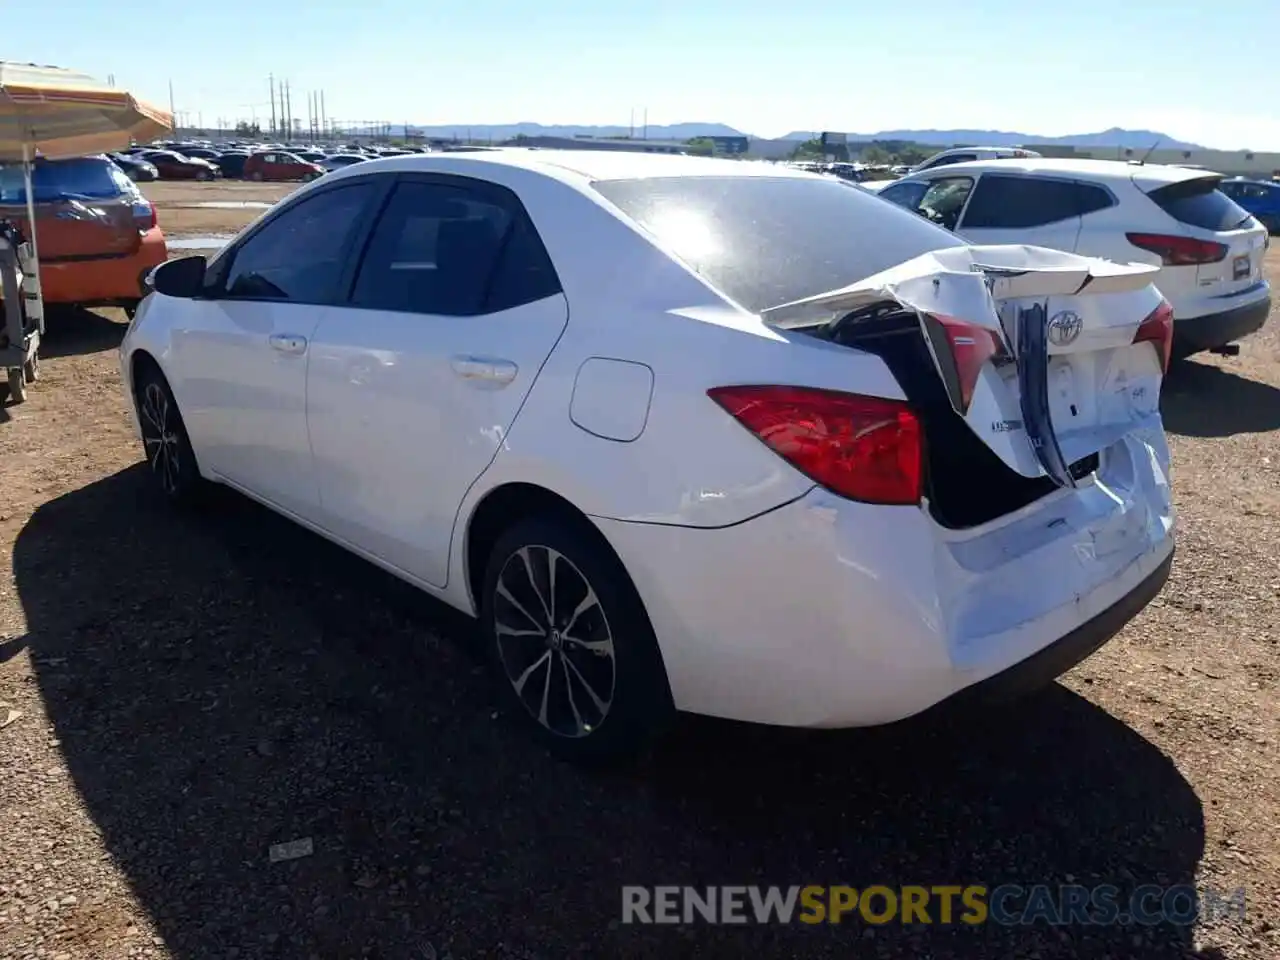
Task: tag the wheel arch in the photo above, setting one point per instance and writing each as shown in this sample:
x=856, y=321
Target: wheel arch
x=502, y=507
x=142, y=359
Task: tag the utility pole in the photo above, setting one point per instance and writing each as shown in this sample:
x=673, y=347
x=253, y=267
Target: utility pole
x=324, y=117
x=288, y=113
x=271, y=81
x=172, y=110
x=646, y=123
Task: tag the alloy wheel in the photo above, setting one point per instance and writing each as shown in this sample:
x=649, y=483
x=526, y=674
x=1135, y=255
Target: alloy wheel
x=160, y=437
x=554, y=641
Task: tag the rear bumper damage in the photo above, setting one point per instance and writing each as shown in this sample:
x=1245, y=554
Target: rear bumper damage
x=831, y=613
x=1041, y=669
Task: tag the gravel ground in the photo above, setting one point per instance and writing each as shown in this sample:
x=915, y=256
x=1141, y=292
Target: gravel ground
x=177, y=694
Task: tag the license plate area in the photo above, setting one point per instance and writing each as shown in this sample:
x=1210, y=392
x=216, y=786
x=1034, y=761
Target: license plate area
x=1241, y=267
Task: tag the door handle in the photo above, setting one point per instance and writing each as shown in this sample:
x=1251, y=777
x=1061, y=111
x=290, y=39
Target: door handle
x=486, y=369
x=288, y=342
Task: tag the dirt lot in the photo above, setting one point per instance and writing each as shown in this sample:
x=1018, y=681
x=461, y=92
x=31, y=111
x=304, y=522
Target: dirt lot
x=178, y=694
x=179, y=210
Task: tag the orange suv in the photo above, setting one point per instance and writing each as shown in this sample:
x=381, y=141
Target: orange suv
x=97, y=234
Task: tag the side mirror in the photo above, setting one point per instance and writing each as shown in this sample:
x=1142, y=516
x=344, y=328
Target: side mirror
x=182, y=278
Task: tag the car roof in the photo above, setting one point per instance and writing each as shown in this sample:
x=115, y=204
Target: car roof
x=582, y=166
x=1149, y=173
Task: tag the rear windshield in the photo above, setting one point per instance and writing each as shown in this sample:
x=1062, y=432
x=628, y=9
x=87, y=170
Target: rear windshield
x=1199, y=203
x=766, y=241
x=94, y=178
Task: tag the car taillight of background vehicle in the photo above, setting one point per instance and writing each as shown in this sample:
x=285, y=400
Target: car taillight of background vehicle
x=863, y=448
x=1177, y=251
x=144, y=215
x=1158, y=329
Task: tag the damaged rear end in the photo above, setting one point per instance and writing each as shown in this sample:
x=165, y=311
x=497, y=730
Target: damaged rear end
x=1026, y=367
x=1045, y=519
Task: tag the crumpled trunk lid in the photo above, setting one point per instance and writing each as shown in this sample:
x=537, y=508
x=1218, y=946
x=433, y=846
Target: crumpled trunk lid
x=1034, y=346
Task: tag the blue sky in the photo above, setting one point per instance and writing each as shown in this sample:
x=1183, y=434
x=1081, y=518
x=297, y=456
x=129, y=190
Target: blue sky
x=1195, y=71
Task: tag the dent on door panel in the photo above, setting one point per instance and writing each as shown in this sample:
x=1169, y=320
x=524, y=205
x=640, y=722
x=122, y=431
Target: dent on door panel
x=611, y=398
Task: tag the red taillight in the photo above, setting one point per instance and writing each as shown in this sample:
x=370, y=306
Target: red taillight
x=863, y=448
x=968, y=348
x=144, y=215
x=1177, y=251
x=1158, y=329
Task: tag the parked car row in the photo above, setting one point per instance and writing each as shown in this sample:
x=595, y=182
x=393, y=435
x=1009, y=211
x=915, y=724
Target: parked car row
x=245, y=161
x=805, y=458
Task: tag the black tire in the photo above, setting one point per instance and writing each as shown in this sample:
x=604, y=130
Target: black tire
x=255, y=175
x=165, y=444
x=612, y=644
x=17, y=385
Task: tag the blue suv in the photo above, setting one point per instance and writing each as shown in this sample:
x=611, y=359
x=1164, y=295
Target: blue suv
x=1260, y=197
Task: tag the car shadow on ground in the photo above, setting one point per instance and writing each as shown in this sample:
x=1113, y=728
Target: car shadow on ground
x=73, y=331
x=224, y=682
x=1203, y=400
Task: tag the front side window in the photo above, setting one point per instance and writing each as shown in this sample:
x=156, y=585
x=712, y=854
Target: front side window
x=907, y=194
x=945, y=198
x=299, y=255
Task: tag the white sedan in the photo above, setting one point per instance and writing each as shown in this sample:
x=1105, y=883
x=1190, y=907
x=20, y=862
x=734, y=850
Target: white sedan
x=685, y=434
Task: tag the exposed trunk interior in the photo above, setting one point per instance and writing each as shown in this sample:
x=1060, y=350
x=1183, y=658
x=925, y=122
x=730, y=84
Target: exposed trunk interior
x=966, y=483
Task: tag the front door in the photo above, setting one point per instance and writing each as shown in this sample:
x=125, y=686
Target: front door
x=241, y=356
x=413, y=385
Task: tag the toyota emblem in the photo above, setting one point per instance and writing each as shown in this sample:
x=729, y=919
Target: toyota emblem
x=1064, y=328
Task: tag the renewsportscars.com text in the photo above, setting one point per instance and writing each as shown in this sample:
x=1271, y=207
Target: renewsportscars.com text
x=972, y=904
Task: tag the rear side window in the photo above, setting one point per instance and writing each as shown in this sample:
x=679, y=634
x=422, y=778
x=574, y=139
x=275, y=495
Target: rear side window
x=1093, y=199
x=93, y=178
x=1004, y=202
x=447, y=250
x=1199, y=203
x=764, y=241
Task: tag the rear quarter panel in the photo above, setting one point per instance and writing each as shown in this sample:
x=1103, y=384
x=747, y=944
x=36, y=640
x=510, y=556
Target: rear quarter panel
x=692, y=464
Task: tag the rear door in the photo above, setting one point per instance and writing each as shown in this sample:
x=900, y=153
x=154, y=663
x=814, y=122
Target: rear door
x=1018, y=208
x=1203, y=212
x=414, y=382
x=1043, y=367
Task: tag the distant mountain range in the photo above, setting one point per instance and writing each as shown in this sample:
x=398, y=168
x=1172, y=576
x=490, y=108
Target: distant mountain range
x=1115, y=137
x=505, y=131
